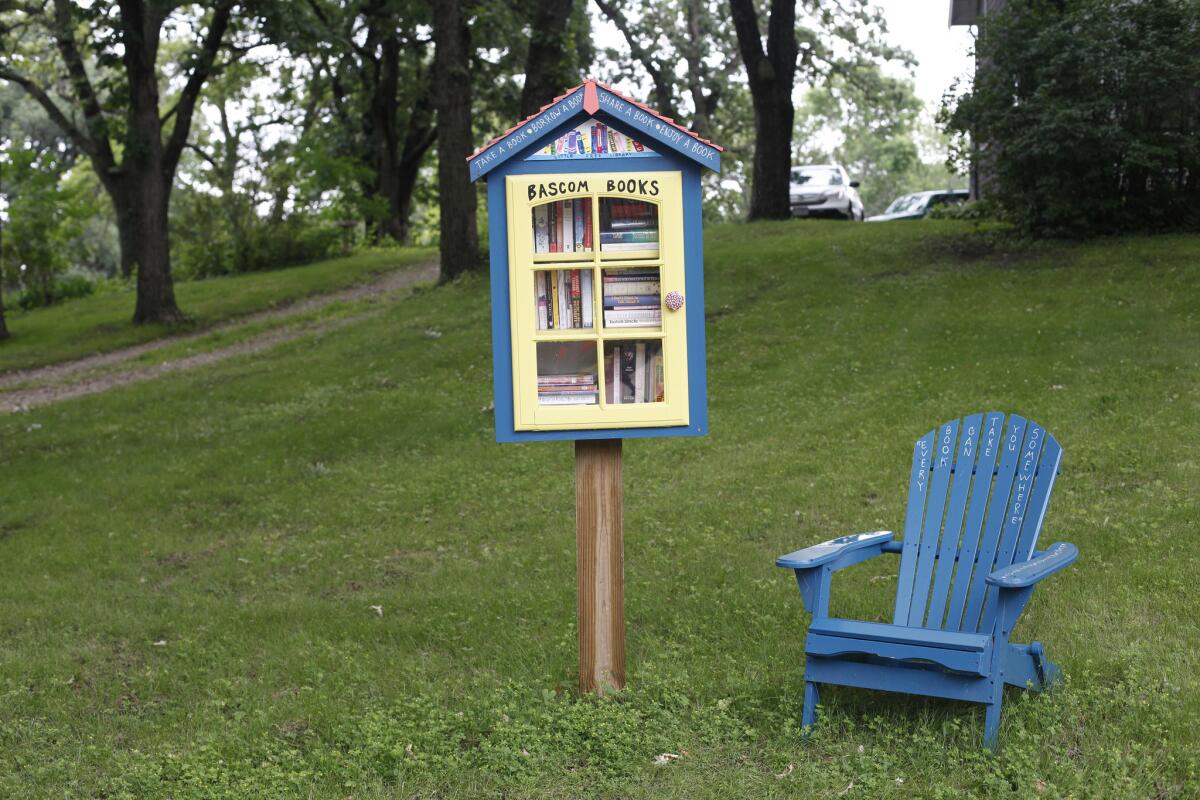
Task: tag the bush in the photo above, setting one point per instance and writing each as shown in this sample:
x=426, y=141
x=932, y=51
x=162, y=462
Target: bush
x=65, y=286
x=1086, y=116
x=972, y=210
x=211, y=237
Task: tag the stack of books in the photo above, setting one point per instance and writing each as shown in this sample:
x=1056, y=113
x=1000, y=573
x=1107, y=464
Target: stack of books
x=632, y=298
x=564, y=226
x=593, y=139
x=633, y=373
x=567, y=390
x=628, y=225
x=564, y=298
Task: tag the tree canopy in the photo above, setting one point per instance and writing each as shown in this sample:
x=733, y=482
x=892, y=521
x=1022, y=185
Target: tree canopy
x=184, y=140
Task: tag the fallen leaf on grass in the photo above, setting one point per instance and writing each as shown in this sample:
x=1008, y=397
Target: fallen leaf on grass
x=845, y=791
x=665, y=758
x=787, y=771
x=377, y=609
x=161, y=643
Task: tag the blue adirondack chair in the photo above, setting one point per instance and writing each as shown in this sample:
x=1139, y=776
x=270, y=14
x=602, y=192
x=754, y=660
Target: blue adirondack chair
x=976, y=500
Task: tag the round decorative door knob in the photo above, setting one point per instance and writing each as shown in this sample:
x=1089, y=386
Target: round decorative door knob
x=674, y=301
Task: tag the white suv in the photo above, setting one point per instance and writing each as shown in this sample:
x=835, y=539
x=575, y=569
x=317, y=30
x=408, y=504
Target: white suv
x=824, y=190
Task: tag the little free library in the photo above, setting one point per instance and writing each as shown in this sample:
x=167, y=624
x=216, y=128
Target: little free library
x=597, y=272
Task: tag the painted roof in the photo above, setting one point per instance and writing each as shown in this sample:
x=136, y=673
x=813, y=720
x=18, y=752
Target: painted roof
x=591, y=97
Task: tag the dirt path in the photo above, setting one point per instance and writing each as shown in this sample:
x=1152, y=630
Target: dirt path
x=54, y=382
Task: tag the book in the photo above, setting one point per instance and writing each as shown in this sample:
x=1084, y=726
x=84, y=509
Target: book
x=555, y=306
x=639, y=373
x=634, y=300
x=587, y=223
x=628, y=368
x=587, y=298
x=632, y=223
x=616, y=247
x=633, y=235
x=568, y=400
x=567, y=389
x=632, y=287
x=541, y=232
x=566, y=212
x=552, y=228
x=633, y=318
x=659, y=381
x=577, y=216
x=566, y=380
x=632, y=274
x=576, y=300
x=564, y=298
x=543, y=306
x=612, y=375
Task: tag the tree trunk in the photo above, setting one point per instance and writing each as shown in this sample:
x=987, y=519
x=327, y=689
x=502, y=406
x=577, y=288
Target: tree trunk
x=459, y=244
x=381, y=129
x=774, y=116
x=546, y=62
x=770, y=75
x=145, y=195
x=3, y=325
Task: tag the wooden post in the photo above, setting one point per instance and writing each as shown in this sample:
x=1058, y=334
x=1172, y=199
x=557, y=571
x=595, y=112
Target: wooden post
x=600, y=564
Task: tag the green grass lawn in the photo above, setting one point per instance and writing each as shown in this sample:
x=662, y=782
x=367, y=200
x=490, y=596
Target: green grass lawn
x=188, y=567
x=100, y=323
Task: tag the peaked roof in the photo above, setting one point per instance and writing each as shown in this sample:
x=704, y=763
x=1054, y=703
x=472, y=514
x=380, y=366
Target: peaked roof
x=590, y=98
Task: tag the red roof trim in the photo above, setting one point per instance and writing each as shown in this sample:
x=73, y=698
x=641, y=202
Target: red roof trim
x=589, y=89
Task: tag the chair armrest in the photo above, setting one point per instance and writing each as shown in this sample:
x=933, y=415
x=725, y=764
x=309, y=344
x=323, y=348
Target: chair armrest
x=825, y=552
x=1016, y=576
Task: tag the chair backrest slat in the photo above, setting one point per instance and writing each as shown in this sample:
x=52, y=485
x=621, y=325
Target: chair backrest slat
x=931, y=527
x=964, y=467
x=1010, y=454
x=990, y=441
x=918, y=490
x=1027, y=509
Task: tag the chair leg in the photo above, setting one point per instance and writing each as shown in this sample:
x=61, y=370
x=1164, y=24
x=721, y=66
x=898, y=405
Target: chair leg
x=991, y=723
x=811, y=698
x=1048, y=671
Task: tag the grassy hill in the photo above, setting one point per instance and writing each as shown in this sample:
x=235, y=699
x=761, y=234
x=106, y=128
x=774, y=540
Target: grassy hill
x=100, y=323
x=312, y=573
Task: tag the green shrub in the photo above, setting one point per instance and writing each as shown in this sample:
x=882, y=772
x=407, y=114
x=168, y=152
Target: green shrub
x=972, y=210
x=64, y=286
x=1085, y=116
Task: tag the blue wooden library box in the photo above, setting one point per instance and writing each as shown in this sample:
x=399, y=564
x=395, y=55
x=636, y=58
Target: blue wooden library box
x=597, y=271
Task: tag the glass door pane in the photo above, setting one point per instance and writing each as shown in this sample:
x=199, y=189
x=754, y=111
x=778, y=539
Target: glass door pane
x=564, y=226
x=566, y=373
x=632, y=298
x=563, y=299
x=633, y=372
x=628, y=228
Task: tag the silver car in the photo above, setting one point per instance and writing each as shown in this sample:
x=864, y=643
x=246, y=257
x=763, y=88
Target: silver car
x=824, y=190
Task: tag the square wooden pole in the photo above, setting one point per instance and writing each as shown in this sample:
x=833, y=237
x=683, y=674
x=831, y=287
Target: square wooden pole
x=600, y=564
